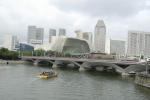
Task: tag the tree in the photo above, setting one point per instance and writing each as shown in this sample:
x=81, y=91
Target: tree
x=67, y=55
x=8, y=55
x=50, y=53
x=39, y=52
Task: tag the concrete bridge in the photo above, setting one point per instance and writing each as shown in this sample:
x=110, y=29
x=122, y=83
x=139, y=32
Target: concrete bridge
x=97, y=64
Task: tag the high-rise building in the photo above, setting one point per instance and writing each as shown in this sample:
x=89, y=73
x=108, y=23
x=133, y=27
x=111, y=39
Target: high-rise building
x=138, y=43
x=78, y=34
x=100, y=36
x=117, y=47
x=11, y=42
x=52, y=32
x=31, y=33
x=15, y=43
x=62, y=32
x=85, y=36
x=39, y=34
x=35, y=35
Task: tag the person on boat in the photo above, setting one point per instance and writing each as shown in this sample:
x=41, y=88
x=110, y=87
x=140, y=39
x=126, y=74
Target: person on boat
x=43, y=73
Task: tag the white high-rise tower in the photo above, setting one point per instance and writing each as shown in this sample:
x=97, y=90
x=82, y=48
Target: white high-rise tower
x=35, y=35
x=100, y=36
x=52, y=33
x=138, y=43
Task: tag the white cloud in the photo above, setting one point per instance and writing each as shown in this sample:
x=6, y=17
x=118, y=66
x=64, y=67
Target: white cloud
x=119, y=15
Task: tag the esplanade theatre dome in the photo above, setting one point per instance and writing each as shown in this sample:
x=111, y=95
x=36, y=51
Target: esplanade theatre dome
x=70, y=45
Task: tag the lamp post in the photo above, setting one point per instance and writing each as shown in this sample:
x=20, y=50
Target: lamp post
x=32, y=53
x=19, y=54
x=44, y=53
x=36, y=53
x=146, y=65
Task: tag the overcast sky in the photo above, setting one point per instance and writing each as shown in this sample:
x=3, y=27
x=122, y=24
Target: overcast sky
x=118, y=15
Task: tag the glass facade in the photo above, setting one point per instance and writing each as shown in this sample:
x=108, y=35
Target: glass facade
x=25, y=47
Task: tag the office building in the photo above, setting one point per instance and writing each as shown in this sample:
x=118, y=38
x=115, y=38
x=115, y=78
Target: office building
x=35, y=35
x=100, y=36
x=62, y=32
x=138, y=43
x=117, y=47
x=52, y=32
x=85, y=36
x=15, y=43
x=11, y=42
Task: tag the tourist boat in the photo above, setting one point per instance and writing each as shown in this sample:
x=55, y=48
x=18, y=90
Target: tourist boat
x=46, y=75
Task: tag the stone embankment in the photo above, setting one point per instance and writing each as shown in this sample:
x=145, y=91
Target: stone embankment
x=143, y=80
x=11, y=62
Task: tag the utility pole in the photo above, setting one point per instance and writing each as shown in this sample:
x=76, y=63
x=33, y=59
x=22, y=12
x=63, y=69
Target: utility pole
x=19, y=54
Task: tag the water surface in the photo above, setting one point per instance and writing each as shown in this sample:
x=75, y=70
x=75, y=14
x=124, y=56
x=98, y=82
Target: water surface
x=20, y=82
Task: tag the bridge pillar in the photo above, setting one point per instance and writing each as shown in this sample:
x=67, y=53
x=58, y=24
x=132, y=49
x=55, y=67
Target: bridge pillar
x=54, y=65
x=101, y=68
x=86, y=66
x=81, y=69
x=35, y=63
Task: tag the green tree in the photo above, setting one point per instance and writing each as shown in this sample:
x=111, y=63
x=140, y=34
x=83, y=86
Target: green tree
x=39, y=52
x=8, y=55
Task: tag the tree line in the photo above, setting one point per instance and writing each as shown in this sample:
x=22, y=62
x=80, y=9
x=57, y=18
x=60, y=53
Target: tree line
x=6, y=54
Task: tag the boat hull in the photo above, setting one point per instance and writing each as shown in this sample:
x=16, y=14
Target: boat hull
x=47, y=76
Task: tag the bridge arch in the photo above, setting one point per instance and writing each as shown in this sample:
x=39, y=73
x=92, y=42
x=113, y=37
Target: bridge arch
x=29, y=60
x=103, y=64
x=48, y=61
x=136, y=68
x=77, y=63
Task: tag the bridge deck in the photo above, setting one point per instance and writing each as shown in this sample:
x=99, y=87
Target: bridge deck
x=82, y=60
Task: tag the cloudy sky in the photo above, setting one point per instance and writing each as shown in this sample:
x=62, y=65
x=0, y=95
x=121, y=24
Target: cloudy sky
x=118, y=15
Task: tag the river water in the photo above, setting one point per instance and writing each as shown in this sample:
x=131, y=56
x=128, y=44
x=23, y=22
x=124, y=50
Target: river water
x=20, y=82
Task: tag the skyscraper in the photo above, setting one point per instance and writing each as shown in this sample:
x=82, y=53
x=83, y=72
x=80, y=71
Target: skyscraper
x=15, y=43
x=85, y=36
x=100, y=36
x=11, y=42
x=138, y=43
x=62, y=32
x=117, y=47
x=52, y=32
x=31, y=33
x=35, y=35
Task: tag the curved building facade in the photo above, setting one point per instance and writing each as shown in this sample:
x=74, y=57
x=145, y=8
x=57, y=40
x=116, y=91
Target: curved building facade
x=70, y=45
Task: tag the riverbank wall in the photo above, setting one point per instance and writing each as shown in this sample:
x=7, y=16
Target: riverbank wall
x=12, y=62
x=143, y=80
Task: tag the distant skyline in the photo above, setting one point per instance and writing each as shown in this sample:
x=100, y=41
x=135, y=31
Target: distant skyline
x=118, y=15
